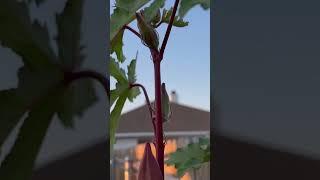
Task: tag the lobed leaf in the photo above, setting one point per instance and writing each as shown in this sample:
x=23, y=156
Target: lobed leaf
x=151, y=11
x=115, y=93
x=121, y=93
x=178, y=21
x=69, y=34
x=34, y=85
x=18, y=164
x=123, y=14
x=75, y=99
x=115, y=116
x=117, y=72
x=116, y=46
x=132, y=71
x=29, y=40
x=186, y=5
x=193, y=156
x=134, y=92
x=130, y=5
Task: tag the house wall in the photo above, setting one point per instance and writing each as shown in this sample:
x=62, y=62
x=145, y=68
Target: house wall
x=126, y=143
x=128, y=150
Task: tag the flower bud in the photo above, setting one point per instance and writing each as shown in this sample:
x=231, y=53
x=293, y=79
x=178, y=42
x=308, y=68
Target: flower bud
x=148, y=34
x=149, y=168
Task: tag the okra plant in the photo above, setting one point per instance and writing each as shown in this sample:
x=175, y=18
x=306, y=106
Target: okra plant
x=148, y=18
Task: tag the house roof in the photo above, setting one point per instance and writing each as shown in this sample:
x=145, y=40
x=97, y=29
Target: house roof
x=184, y=118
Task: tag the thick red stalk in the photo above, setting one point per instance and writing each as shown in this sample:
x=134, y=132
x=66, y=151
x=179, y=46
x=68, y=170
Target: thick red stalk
x=159, y=120
x=157, y=57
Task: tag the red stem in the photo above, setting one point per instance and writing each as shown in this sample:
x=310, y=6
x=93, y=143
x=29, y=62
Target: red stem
x=132, y=30
x=146, y=96
x=148, y=104
x=166, y=37
x=159, y=120
x=72, y=76
x=157, y=57
x=159, y=24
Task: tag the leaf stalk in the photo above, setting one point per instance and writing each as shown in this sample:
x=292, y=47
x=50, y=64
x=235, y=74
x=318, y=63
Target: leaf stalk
x=73, y=76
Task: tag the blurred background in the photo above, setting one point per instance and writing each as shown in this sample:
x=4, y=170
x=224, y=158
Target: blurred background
x=81, y=152
x=266, y=89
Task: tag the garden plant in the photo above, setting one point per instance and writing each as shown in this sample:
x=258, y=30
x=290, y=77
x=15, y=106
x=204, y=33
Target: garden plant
x=148, y=19
x=56, y=83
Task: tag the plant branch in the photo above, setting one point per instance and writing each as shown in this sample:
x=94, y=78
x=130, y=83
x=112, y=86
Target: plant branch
x=166, y=37
x=104, y=81
x=159, y=24
x=132, y=30
x=146, y=96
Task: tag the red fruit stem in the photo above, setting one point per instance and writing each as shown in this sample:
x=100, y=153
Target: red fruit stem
x=72, y=76
x=159, y=24
x=147, y=99
x=132, y=30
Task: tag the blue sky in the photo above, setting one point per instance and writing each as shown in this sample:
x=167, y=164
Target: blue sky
x=186, y=63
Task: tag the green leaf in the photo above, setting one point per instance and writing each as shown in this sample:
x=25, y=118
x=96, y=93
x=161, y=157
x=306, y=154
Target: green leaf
x=113, y=96
x=115, y=93
x=115, y=116
x=35, y=85
x=116, y=71
x=134, y=92
x=75, y=99
x=124, y=81
x=186, y=5
x=178, y=22
x=123, y=14
x=193, y=156
x=116, y=46
x=11, y=110
x=130, y=5
x=18, y=164
x=69, y=34
x=29, y=40
x=165, y=103
x=151, y=11
x=132, y=71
